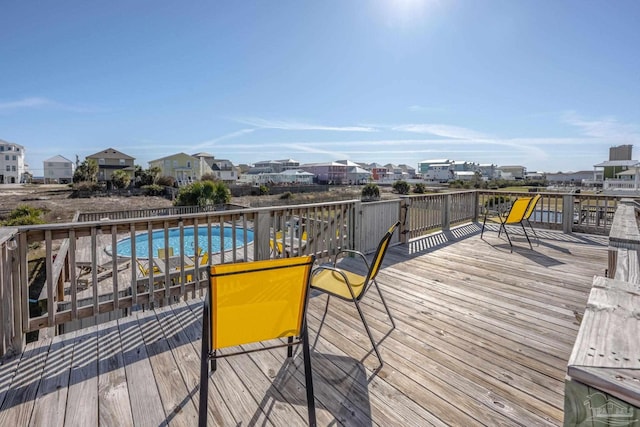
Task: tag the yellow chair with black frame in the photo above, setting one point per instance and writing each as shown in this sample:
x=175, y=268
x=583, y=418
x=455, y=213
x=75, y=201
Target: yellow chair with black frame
x=515, y=215
x=350, y=286
x=259, y=301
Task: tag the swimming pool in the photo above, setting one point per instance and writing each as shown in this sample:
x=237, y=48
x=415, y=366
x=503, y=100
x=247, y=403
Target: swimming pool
x=123, y=247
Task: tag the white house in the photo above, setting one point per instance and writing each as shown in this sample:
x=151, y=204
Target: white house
x=58, y=170
x=12, y=166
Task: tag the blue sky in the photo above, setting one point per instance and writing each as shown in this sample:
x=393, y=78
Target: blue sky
x=550, y=85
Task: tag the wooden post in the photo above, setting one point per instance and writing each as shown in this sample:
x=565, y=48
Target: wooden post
x=476, y=206
x=261, y=236
x=567, y=213
x=356, y=218
x=405, y=204
x=446, y=215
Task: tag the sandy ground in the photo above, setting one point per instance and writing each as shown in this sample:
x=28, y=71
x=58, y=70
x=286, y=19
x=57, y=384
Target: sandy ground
x=59, y=206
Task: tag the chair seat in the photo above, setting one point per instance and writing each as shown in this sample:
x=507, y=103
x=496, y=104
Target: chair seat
x=333, y=282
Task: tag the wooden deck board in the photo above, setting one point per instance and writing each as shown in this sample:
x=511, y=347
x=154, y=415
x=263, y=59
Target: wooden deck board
x=483, y=337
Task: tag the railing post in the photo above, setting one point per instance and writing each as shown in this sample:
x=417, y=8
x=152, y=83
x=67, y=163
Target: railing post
x=261, y=236
x=476, y=206
x=446, y=214
x=405, y=203
x=567, y=213
x=18, y=340
x=357, y=218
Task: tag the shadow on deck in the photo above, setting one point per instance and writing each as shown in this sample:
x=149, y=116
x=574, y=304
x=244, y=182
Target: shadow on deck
x=483, y=337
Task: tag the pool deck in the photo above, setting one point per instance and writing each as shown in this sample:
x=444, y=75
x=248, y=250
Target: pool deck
x=483, y=337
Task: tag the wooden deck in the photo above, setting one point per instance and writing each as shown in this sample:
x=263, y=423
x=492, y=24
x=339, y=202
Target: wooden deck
x=483, y=337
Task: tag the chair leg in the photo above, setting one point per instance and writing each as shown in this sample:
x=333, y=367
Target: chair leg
x=504, y=227
x=526, y=235
x=393, y=324
x=204, y=371
x=483, y=223
x=366, y=327
x=534, y=231
x=308, y=377
x=290, y=347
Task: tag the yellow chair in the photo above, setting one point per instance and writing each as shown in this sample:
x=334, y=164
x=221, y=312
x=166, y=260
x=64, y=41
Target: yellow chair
x=530, y=209
x=162, y=252
x=516, y=215
x=276, y=245
x=145, y=270
x=350, y=286
x=256, y=302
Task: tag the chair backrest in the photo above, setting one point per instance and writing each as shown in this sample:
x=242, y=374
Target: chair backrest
x=518, y=210
x=204, y=259
x=162, y=252
x=259, y=300
x=380, y=252
x=532, y=206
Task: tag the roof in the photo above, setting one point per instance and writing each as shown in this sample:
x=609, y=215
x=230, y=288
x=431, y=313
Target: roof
x=110, y=153
x=2, y=141
x=616, y=163
x=436, y=161
x=296, y=172
x=347, y=162
x=57, y=159
x=170, y=156
x=203, y=154
x=358, y=169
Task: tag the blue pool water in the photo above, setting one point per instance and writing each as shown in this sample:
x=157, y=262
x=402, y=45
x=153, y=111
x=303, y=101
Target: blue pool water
x=123, y=247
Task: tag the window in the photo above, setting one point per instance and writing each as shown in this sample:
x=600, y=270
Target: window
x=101, y=161
x=50, y=165
x=189, y=165
x=122, y=162
x=1, y=147
x=175, y=163
x=15, y=158
x=6, y=157
x=13, y=168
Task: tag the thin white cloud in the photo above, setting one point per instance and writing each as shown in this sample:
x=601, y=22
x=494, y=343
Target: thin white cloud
x=607, y=128
x=300, y=126
x=212, y=142
x=26, y=103
x=39, y=103
x=446, y=131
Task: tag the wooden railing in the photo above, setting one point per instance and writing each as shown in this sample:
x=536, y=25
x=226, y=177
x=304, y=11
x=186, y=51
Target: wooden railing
x=577, y=212
x=78, y=275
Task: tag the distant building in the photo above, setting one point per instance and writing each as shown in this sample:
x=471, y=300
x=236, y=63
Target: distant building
x=425, y=165
x=621, y=152
x=58, y=170
x=111, y=160
x=12, y=165
x=517, y=172
x=327, y=173
x=184, y=168
x=569, y=178
x=442, y=172
x=277, y=165
x=488, y=171
x=290, y=176
x=222, y=169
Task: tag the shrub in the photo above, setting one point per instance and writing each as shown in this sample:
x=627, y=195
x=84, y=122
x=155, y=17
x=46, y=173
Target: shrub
x=286, y=196
x=420, y=188
x=203, y=193
x=401, y=187
x=264, y=190
x=496, y=200
x=87, y=186
x=370, y=192
x=24, y=215
x=153, y=190
x=120, y=179
x=167, y=181
x=209, y=177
